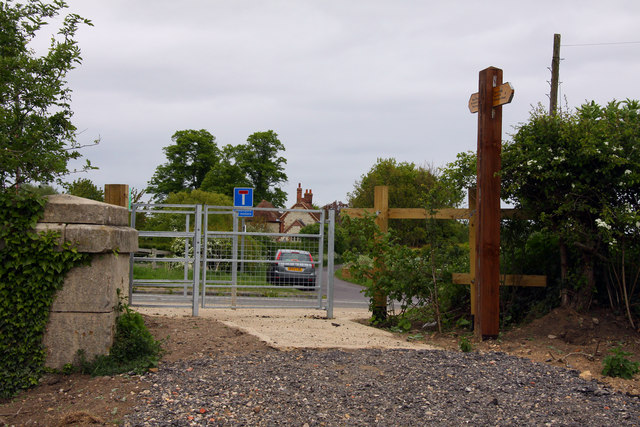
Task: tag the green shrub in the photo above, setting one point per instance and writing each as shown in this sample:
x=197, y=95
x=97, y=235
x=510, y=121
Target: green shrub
x=134, y=349
x=465, y=345
x=617, y=364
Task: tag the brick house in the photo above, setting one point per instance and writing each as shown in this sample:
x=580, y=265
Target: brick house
x=292, y=222
x=289, y=222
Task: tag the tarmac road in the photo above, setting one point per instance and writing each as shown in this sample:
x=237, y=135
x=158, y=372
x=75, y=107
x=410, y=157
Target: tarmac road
x=345, y=294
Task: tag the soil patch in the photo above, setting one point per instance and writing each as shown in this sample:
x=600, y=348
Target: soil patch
x=76, y=399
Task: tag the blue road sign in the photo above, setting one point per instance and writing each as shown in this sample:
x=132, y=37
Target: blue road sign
x=243, y=198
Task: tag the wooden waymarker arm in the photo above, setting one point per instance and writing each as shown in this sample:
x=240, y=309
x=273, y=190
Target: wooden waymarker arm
x=506, y=280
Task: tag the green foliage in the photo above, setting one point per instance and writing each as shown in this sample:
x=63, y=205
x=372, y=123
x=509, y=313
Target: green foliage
x=194, y=161
x=32, y=270
x=404, y=324
x=83, y=187
x=617, y=364
x=189, y=158
x=177, y=222
x=41, y=190
x=134, y=349
x=226, y=175
x=37, y=138
x=460, y=175
x=413, y=277
x=465, y=345
x=408, y=186
x=525, y=249
x=259, y=159
x=443, y=254
x=577, y=175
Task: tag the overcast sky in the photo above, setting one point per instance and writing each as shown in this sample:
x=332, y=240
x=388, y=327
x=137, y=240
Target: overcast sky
x=341, y=82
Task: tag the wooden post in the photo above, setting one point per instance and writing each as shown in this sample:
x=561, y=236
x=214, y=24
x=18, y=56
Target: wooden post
x=488, y=205
x=555, y=75
x=117, y=194
x=472, y=253
x=381, y=207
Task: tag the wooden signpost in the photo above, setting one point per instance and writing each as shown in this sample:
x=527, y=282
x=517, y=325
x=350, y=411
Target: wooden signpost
x=488, y=200
x=484, y=211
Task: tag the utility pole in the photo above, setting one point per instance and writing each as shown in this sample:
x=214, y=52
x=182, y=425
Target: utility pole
x=555, y=73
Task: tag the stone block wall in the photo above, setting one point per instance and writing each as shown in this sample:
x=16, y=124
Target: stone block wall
x=82, y=315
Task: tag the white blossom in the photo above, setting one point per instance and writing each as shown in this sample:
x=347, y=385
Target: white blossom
x=627, y=172
x=601, y=223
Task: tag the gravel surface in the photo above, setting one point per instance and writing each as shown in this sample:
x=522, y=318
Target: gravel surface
x=372, y=386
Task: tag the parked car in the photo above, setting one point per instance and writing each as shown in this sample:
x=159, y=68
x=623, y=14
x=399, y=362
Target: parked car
x=292, y=266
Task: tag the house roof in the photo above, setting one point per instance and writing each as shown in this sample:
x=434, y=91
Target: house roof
x=269, y=216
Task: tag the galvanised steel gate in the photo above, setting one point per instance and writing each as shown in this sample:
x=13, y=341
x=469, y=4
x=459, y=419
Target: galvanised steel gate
x=211, y=257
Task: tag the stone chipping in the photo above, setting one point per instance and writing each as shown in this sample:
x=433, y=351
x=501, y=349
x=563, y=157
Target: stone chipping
x=387, y=387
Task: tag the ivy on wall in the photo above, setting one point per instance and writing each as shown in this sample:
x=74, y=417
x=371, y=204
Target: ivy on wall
x=32, y=269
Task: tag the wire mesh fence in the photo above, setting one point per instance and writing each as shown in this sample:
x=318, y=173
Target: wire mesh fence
x=211, y=257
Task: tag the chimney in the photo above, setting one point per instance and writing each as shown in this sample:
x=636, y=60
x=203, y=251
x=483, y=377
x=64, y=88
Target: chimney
x=308, y=196
x=299, y=193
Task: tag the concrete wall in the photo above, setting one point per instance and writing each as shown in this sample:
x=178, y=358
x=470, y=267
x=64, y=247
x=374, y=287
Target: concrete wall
x=82, y=315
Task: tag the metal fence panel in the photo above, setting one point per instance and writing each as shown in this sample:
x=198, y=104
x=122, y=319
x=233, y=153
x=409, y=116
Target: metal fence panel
x=222, y=260
x=239, y=269
x=167, y=278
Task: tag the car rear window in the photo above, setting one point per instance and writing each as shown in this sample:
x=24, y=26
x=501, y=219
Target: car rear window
x=291, y=256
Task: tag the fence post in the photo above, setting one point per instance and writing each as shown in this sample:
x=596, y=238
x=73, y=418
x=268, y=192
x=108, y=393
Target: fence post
x=381, y=207
x=197, y=249
x=117, y=194
x=234, y=262
x=330, y=256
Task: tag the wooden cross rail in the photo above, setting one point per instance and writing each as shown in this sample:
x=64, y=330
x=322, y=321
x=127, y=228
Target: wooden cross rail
x=383, y=213
x=527, y=280
x=420, y=213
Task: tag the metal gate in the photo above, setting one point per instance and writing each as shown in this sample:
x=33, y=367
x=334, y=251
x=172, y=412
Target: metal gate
x=216, y=257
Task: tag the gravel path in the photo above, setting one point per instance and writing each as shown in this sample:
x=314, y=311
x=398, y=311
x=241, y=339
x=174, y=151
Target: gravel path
x=376, y=387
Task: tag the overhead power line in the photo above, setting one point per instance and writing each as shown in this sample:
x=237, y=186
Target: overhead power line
x=599, y=44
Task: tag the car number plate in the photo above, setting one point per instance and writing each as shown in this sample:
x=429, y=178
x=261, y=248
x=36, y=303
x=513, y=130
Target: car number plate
x=294, y=269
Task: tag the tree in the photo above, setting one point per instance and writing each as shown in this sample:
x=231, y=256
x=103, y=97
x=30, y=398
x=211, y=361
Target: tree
x=226, y=175
x=408, y=187
x=571, y=171
x=259, y=159
x=83, y=187
x=192, y=155
x=41, y=190
x=37, y=138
